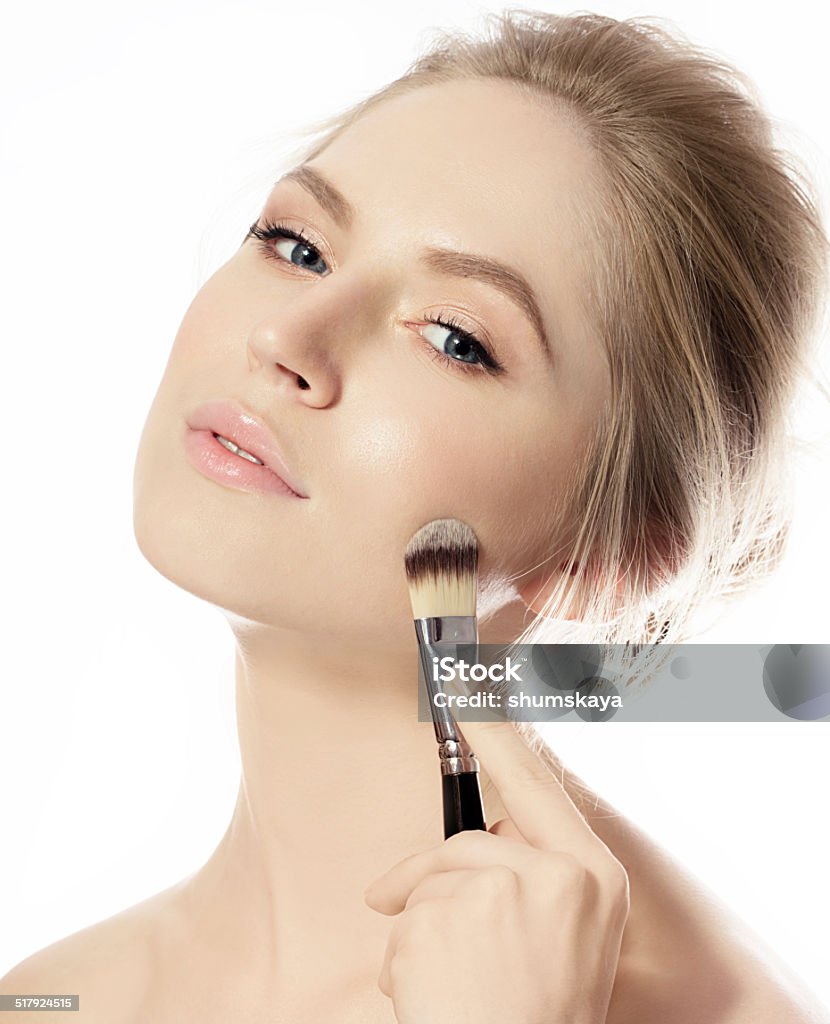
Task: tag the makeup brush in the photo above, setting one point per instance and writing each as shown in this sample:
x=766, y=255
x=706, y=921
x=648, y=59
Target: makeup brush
x=441, y=563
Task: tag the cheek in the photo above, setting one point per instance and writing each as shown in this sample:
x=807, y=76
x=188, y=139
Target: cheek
x=408, y=464
x=385, y=478
x=502, y=487
x=384, y=448
x=209, y=330
x=211, y=338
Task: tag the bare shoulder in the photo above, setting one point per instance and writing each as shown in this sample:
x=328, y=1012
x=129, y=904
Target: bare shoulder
x=109, y=965
x=686, y=956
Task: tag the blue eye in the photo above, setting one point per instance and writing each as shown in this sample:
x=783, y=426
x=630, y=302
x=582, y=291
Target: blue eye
x=304, y=254
x=467, y=343
x=267, y=232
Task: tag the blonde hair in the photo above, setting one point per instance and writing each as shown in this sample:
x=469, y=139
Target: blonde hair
x=708, y=280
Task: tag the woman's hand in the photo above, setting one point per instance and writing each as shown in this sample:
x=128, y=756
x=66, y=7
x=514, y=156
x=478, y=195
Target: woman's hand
x=521, y=924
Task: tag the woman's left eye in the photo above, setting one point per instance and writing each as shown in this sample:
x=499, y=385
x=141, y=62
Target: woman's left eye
x=304, y=254
x=463, y=347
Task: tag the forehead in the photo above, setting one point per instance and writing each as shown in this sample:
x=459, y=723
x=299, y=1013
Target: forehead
x=475, y=156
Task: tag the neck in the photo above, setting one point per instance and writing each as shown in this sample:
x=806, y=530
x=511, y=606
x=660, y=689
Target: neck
x=339, y=782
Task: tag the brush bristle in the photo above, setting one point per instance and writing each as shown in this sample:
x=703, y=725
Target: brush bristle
x=441, y=562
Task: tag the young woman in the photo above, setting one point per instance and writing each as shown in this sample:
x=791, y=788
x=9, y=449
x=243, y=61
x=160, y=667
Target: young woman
x=558, y=283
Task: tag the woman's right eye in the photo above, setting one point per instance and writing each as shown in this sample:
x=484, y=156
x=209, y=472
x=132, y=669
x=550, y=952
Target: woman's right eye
x=298, y=249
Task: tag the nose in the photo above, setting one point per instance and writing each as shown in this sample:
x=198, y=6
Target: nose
x=305, y=344
x=292, y=364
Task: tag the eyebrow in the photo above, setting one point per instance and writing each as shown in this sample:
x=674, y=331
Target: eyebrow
x=445, y=261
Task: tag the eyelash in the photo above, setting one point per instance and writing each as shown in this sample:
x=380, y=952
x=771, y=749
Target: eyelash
x=267, y=231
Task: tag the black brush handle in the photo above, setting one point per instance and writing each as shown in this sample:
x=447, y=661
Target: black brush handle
x=463, y=809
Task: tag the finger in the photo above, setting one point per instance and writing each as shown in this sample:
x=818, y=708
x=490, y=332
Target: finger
x=505, y=827
x=473, y=849
x=532, y=795
x=439, y=885
x=442, y=885
x=384, y=980
x=401, y=928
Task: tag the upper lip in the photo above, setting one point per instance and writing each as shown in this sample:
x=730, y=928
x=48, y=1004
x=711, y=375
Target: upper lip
x=234, y=422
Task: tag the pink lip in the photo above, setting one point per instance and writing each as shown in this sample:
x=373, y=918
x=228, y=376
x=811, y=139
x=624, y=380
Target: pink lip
x=237, y=425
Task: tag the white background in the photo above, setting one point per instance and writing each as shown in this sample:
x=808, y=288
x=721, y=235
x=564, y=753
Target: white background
x=138, y=144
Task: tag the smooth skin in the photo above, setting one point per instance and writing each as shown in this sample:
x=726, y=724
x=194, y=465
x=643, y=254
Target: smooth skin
x=520, y=923
x=339, y=779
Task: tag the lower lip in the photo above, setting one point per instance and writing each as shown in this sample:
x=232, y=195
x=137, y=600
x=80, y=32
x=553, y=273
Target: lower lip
x=215, y=461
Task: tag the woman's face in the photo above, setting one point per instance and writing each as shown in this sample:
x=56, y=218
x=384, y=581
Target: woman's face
x=385, y=419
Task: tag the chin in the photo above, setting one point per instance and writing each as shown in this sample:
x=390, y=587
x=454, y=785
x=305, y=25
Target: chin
x=178, y=527
x=187, y=546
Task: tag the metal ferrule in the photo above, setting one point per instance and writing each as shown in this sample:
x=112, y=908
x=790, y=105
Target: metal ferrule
x=456, y=757
x=437, y=638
